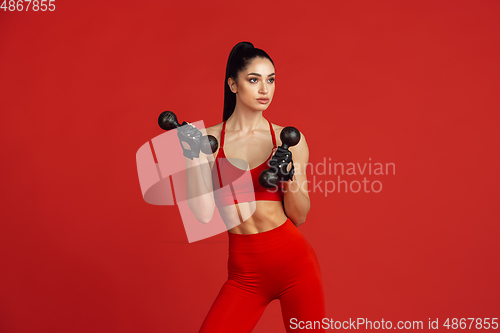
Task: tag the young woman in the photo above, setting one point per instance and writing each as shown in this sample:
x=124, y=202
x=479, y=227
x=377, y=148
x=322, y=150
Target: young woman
x=268, y=256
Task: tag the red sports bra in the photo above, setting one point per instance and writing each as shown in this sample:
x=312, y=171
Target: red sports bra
x=233, y=185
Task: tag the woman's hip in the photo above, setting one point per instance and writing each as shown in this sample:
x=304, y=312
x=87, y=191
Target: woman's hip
x=279, y=248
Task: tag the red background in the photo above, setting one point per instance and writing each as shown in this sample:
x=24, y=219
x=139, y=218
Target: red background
x=414, y=83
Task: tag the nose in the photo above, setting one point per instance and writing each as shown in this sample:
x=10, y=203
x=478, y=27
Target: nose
x=263, y=88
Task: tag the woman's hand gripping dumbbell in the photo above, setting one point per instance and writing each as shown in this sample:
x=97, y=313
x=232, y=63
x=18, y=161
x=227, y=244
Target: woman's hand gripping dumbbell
x=269, y=178
x=189, y=134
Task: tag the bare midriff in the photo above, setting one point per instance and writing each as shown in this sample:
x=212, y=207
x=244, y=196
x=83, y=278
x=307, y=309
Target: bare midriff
x=267, y=215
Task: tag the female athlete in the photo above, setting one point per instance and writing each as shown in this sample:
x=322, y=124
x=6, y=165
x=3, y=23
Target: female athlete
x=268, y=256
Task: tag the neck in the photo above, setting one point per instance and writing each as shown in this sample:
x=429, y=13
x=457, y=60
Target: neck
x=246, y=121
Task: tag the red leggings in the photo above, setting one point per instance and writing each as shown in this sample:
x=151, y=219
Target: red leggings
x=278, y=263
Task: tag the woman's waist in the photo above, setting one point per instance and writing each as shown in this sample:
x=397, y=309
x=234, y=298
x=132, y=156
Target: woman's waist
x=265, y=217
x=253, y=217
x=269, y=236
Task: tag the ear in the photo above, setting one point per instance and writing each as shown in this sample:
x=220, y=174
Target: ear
x=232, y=85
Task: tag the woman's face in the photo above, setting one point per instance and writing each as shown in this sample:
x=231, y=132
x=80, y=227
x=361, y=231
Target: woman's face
x=255, y=87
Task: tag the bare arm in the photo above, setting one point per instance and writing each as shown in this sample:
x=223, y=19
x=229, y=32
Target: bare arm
x=199, y=188
x=296, y=197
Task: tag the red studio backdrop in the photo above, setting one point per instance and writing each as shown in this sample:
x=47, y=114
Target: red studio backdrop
x=408, y=85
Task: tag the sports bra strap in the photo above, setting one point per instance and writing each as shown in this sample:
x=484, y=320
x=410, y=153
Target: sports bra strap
x=223, y=134
x=272, y=134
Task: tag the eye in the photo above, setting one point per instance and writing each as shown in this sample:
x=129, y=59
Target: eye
x=271, y=80
x=254, y=78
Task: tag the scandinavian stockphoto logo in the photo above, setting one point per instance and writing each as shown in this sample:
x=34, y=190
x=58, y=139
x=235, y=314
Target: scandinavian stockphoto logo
x=329, y=177
x=166, y=177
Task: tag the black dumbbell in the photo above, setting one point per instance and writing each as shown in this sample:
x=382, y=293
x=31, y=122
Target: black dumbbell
x=168, y=120
x=269, y=178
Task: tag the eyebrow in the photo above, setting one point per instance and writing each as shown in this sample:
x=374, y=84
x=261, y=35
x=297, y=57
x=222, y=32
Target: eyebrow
x=259, y=74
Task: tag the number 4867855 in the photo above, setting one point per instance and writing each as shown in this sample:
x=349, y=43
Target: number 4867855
x=34, y=5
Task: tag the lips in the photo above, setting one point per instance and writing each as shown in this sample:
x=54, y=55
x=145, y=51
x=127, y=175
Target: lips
x=263, y=100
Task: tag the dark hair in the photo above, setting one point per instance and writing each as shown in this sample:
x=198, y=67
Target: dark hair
x=240, y=57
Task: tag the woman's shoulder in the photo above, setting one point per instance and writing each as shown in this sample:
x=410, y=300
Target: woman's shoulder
x=215, y=130
x=277, y=127
x=277, y=132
